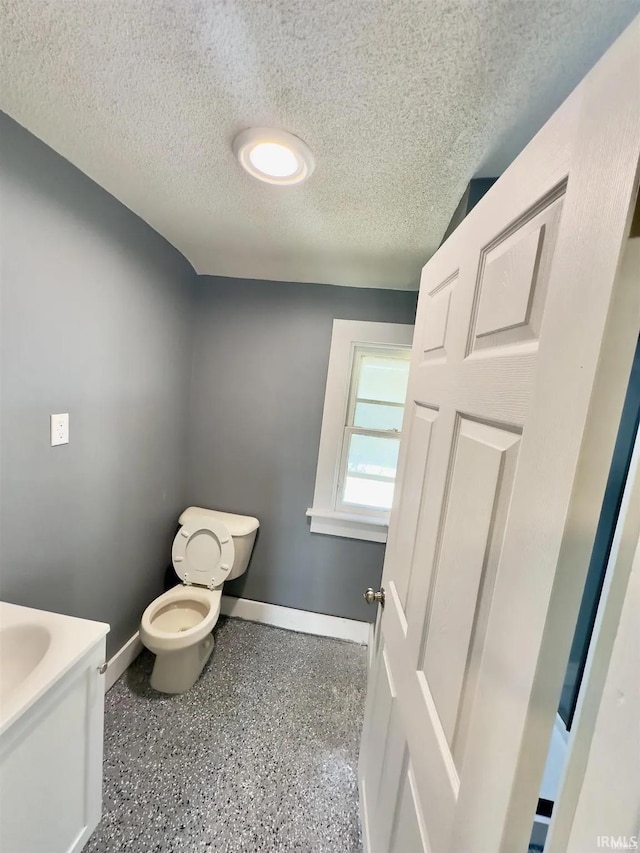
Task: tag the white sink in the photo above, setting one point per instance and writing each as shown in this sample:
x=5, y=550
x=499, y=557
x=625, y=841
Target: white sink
x=36, y=649
x=22, y=648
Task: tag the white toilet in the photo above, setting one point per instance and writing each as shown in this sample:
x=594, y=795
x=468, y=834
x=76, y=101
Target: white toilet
x=210, y=547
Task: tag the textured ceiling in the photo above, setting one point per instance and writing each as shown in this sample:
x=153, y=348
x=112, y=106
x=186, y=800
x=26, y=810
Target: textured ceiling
x=402, y=103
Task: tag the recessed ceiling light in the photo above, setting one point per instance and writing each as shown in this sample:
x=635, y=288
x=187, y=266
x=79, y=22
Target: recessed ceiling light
x=274, y=156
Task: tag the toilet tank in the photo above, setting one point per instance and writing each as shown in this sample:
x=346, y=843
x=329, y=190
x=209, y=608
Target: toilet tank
x=243, y=529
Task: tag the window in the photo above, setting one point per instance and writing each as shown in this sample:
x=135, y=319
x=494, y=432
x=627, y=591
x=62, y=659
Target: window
x=369, y=454
x=361, y=427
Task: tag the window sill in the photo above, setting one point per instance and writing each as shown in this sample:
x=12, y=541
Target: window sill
x=350, y=526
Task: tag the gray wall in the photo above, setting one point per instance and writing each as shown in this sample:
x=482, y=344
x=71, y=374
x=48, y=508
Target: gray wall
x=95, y=313
x=101, y=318
x=260, y=356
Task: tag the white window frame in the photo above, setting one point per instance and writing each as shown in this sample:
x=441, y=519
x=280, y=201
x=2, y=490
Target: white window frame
x=328, y=515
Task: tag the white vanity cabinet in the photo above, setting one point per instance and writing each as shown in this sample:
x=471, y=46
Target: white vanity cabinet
x=51, y=747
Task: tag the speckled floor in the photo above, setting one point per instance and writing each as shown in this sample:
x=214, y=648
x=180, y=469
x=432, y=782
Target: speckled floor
x=259, y=756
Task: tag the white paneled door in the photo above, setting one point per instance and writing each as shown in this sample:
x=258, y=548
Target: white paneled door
x=522, y=351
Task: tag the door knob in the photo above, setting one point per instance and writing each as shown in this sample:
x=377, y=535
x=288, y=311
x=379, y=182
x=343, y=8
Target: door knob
x=372, y=597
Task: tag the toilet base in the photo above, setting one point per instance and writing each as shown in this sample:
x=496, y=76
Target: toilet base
x=175, y=672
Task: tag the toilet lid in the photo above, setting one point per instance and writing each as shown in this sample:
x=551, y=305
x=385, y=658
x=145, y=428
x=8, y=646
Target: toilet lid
x=203, y=552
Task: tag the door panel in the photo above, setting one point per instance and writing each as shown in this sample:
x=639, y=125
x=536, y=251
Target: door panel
x=499, y=488
x=409, y=835
x=411, y=498
x=465, y=536
x=386, y=761
x=385, y=696
x=437, y=320
x=513, y=278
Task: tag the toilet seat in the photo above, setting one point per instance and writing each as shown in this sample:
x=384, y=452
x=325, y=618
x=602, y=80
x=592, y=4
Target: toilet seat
x=203, y=552
x=158, y=640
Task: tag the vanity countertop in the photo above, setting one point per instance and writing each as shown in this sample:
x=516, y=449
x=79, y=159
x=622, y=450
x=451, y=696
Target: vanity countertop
x=36, y=649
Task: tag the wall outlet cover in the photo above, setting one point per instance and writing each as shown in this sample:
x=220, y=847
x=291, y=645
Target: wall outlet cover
x=59, y=429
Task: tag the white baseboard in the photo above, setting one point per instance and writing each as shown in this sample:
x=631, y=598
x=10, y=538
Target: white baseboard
x=296, y=620
x=255, y=611
x=121, y=660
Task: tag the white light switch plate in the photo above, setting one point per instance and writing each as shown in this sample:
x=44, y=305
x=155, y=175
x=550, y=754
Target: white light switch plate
x=59, y=429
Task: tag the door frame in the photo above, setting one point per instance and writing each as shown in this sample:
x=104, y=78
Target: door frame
x=569, y=819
